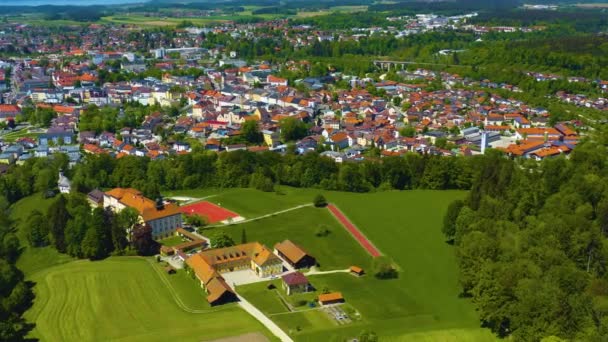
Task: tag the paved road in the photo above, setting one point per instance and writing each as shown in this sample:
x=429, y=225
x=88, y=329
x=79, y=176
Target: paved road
x=269, y=324
x=369, y=247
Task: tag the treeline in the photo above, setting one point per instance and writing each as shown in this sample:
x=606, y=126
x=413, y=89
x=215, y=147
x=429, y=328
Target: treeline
x=204, y=169
x=15, y=293
x=339, y=20
x=532, y=248
x=576, y=55
x=409, y=7
x=581, y=20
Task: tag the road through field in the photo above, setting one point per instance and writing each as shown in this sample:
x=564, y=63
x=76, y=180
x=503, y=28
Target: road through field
x=371, y=249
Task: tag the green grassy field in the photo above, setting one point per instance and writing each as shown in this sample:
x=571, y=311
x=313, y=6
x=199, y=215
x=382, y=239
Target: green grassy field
x=124, y=299
x=31, y=259
x=422, y=304
x=171, y=241
x=251, y=203
x=301, y=227
x=23, y=133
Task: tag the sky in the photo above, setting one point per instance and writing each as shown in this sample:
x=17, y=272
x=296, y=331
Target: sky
x=65, y=2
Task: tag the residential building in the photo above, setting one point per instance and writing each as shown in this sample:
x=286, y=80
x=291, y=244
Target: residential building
x=295, y=282
x=164, y=218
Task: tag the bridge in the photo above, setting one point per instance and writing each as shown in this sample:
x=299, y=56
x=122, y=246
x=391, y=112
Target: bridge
x=395, y=64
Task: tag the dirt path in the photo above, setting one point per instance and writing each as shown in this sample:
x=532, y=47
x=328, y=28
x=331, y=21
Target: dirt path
x=263, y=216
x=313, y=271
x=356, y=233
x=267, y=322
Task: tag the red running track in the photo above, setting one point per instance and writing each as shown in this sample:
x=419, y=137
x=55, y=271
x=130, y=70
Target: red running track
x=212, y=212
x=354, y=231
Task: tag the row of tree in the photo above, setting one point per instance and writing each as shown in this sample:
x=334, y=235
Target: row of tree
x=202, y=169
x=532, y=245
x=72, y=227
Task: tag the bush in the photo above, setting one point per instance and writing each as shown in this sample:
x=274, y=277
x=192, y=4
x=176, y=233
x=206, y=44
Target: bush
x=196, y=220
x=323, y=231
x=320, y=201
x=384, y=268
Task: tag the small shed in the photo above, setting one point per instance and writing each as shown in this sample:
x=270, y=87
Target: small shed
x=356, y=271
x=331, y=298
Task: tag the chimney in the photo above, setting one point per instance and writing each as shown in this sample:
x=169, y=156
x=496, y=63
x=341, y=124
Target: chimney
x=160, y=204
x=484, y=138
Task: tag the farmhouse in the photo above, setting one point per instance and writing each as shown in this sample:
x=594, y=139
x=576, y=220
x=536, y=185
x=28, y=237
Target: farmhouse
x=295, y=282
x=294, y=254
x=209, y=264
x=163, y=218
x=331, y=298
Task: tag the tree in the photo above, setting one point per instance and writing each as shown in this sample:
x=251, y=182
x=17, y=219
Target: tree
x=243, y=236
x=196, y=220
x=319, y=201
x=449, y=221
x=57, y=218
x=251, y=132
x=38, y=230
x=384, y=269
x=126, y=220
x=407, y=131
x=142, y=240
x=292, y=129
x=92, y=247
x=220, y=240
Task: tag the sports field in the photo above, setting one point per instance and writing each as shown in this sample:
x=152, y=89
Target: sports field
x=212, y=212
x=127, y=299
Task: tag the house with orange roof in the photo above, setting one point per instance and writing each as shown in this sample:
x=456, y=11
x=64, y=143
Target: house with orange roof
x=548, y=152
x=164, y=218
x=547, y=133
x=276, y=81
x=209, y=265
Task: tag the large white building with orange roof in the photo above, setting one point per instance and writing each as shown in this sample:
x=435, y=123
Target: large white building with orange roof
x=163, y=218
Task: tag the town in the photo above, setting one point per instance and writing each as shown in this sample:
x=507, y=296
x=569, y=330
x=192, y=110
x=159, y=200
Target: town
x=79, y=99
x=343, y=170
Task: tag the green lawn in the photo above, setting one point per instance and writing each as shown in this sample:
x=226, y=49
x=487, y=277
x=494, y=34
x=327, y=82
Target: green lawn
x=32, y=259
x=172, y=241
x=422, y=304
x=124, y=299
x=337, y=250
x=251, y=203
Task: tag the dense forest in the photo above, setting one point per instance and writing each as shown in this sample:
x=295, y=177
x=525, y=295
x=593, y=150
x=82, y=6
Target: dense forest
x=532, y=245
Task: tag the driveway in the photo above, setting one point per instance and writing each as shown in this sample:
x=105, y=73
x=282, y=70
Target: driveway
x=269, y=324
